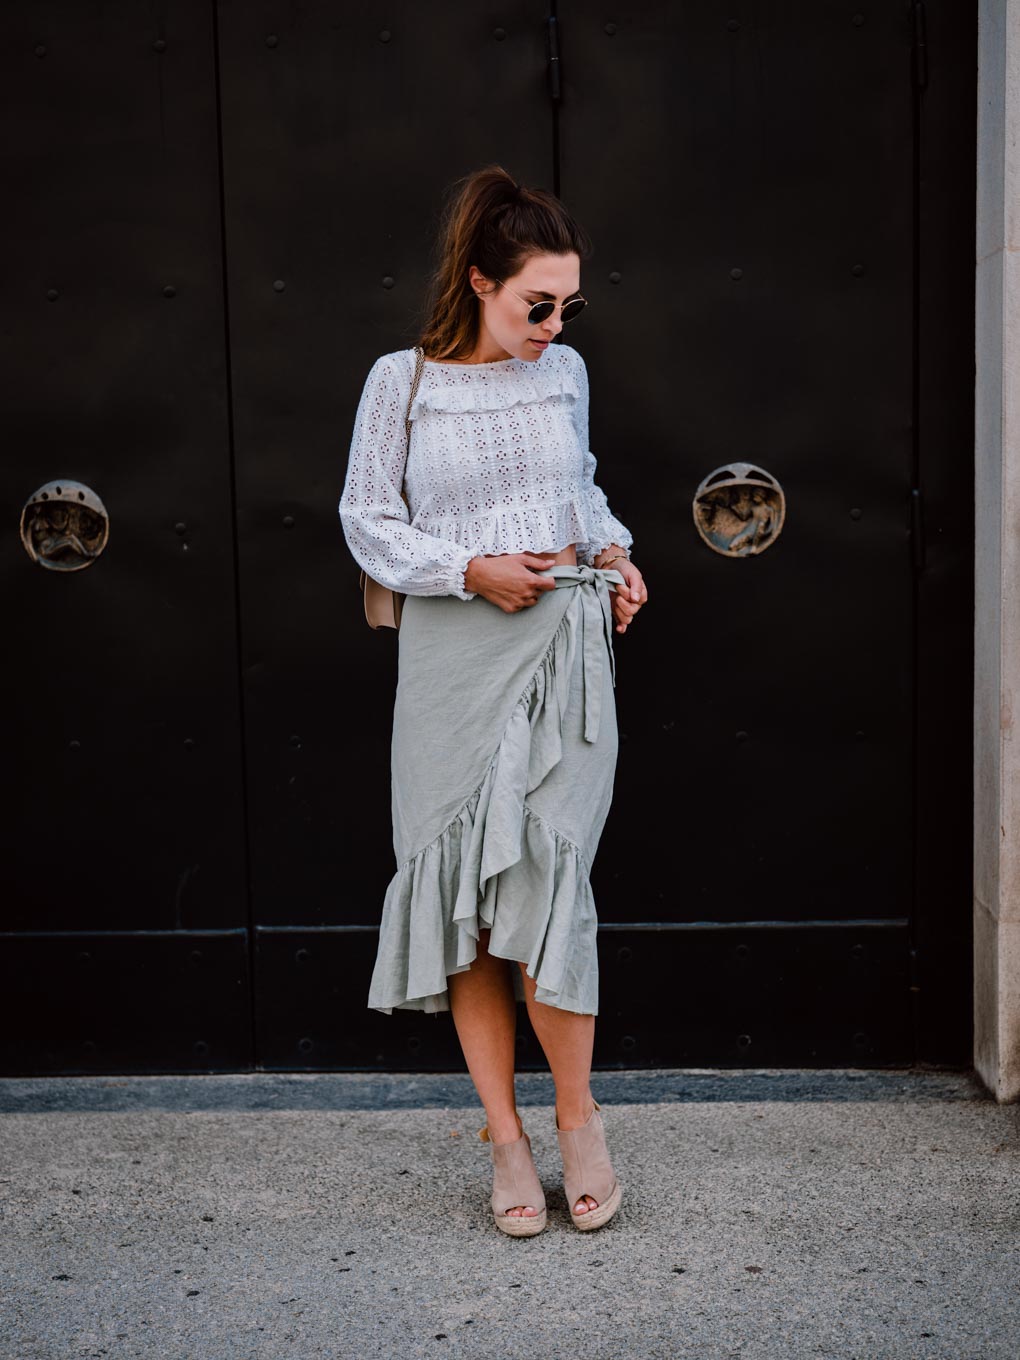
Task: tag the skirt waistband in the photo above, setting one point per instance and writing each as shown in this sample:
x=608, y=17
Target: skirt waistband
x=596, y=626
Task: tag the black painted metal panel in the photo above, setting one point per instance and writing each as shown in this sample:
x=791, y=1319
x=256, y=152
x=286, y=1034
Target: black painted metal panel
x=76, y=1002
x=813, y=995
x=944, y=920
x=122, y=685
x=310, y=992
x=341, y=128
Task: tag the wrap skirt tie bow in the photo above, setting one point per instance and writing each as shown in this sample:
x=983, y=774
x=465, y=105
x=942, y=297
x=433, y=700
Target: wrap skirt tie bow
x=596, y=625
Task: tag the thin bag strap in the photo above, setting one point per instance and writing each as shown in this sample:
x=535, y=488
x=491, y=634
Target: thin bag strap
x=419, y=366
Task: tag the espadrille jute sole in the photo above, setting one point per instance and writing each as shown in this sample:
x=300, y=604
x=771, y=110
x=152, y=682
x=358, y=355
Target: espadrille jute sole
x=595, y=1218
x=523, y=1226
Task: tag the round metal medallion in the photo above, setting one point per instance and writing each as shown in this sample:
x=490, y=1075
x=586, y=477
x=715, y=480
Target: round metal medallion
x=739, y=510
x=64, y=526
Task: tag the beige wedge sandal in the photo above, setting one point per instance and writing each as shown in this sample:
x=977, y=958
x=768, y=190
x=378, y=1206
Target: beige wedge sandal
x=587, y=1170
x=515, y=1181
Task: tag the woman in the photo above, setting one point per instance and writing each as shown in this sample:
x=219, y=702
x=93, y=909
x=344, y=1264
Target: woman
x=504, y=732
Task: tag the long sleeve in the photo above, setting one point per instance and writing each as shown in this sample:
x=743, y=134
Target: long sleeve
x=373, y=513
x=605, y=527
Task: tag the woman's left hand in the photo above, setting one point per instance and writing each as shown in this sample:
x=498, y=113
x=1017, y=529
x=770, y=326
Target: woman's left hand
x=627, y=600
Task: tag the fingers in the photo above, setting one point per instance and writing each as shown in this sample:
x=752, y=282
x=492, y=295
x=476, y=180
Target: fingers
x=635, y=588
x=523, y=602
x=624, y=610
x=626, y=606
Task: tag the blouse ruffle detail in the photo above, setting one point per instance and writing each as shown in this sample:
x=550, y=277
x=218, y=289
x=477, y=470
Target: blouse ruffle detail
x=496, y=389
x=514, y=529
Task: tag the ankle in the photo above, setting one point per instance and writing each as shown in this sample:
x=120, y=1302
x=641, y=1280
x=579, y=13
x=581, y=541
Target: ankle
x=573, y=1116
x=505, y=1128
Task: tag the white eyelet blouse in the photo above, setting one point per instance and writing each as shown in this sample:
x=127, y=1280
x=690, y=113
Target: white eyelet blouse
x=498, y=462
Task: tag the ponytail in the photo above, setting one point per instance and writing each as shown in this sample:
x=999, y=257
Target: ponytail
x=496, y=224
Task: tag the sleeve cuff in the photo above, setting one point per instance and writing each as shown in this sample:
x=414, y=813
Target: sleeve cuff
x=457, y=578
x=620, y=540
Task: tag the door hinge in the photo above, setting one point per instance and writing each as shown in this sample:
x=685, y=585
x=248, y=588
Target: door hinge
x=919, y=53
x=917, y=528
x=554, y=60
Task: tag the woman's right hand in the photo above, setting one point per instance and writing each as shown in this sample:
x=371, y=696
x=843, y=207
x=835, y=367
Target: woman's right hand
x=509, y=580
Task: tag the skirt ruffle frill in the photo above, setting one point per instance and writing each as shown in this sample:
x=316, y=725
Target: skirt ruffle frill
x=497, y=850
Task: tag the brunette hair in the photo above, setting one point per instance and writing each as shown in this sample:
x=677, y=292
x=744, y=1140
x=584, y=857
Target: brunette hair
x=496, y=224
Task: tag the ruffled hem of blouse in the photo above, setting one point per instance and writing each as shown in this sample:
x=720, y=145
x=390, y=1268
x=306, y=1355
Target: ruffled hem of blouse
x=514, y=529
x=481, y=388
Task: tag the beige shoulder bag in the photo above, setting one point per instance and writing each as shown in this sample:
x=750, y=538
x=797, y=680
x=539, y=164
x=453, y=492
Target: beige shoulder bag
x=382, y=605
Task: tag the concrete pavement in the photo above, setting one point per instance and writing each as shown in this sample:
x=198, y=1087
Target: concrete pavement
x=853, y=1214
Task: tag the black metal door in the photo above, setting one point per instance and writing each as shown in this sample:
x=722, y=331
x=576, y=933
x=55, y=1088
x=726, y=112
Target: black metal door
x=782, y=205
x=125, y=916
x=767, y=183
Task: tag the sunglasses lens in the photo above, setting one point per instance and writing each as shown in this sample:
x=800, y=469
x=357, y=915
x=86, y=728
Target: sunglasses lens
x=572, y=309
x=539, y=312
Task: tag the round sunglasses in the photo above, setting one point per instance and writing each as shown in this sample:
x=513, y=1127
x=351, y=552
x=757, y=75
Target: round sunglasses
x=541, y=311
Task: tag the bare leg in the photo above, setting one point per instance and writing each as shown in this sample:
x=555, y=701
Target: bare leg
x=485, y=1017
x=567, y=1041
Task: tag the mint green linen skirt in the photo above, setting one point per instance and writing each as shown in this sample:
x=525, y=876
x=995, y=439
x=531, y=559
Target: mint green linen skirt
x=503, y=757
